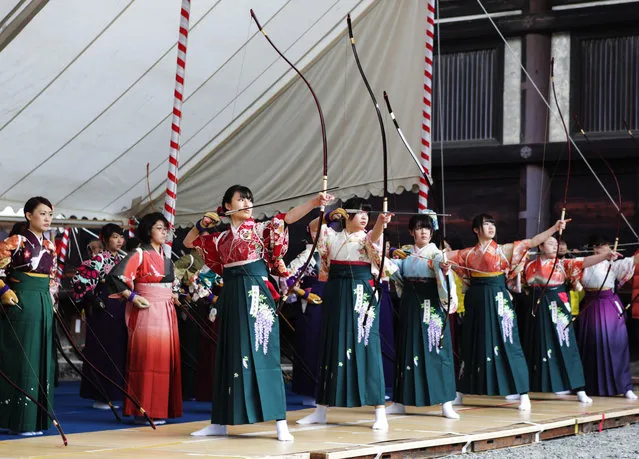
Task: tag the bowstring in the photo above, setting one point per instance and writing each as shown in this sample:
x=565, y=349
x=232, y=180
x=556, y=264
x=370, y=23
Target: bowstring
x=545, y=101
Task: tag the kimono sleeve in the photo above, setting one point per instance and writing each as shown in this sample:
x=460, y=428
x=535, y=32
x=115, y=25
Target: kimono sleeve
x=7, y=247
x=123, y=275
x=206, y=246
x=275, y=236
x=398, y=276
x=442, y=287
x=458, y=262
x=297, y=263
x=623, y=270
x=326, y=234
x=517, y=255
x=374, y=253
x=54, y=282
x=574, y=270
x=87, y=276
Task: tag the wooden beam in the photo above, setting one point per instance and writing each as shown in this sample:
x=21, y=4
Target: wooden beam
x=626, y=14
x=11, y=29
x=477, y=154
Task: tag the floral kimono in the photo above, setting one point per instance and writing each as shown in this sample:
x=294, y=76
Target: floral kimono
x=248, y=386
x=493, y=362
x=424, y=372
x=153, y=364
x=351, y=370
x=107, y=336
x=196, y=330
x=549, y=340
x=26, y=332
x=308, y=325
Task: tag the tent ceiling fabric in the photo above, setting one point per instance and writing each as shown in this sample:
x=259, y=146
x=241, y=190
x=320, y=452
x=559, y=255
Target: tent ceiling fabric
x=88, y=87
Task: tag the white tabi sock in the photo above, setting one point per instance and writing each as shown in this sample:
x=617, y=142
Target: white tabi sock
x=448, y=411
x=316, y=417
x=524, y=403
x=211, y=430
x=513, y=397
x=381, y=423
x=395, y=408
x=459, y=399
x=630, y=395
x=563, y=392
x=282, y=431
x=583, y=398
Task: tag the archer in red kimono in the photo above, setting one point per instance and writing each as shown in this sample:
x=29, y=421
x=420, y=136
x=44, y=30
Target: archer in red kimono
x=145, y=277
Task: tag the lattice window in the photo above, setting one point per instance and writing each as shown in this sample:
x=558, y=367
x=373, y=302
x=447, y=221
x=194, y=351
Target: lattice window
x=608, y=89
x=471, y=92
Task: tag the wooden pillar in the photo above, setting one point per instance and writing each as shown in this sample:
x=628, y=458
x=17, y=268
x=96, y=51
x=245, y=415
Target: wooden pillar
x=536, y=59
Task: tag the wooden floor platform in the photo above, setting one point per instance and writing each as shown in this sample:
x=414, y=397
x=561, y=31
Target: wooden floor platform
x=486, y=423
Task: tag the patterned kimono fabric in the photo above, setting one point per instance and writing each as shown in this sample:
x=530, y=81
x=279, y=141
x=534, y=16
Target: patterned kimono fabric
x=308, y=328
x=424, y=373
x=205, y=346
x=602, y=334
x=351, y=372
x=493, y=362
x=26, y=336
x=248, y=386
x=185, y=268
x=550, y=345
x=106, y=332
x=153, y=373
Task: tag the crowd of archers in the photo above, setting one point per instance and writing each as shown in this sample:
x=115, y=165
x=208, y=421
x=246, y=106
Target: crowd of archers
x=353, y=340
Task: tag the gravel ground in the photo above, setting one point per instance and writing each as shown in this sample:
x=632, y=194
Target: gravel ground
x=622, y=442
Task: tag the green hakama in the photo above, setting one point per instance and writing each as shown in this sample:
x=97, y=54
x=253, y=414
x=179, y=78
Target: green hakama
x=493, y=361
x=26, y=354
x=351, y=372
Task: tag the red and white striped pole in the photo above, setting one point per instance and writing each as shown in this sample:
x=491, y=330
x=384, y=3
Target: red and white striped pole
x=131, y=228
x=427, y=106
x=64, y=248
x=178, y=97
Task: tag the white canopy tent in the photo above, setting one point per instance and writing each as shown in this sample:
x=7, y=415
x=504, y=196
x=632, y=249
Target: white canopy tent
x=87, y=92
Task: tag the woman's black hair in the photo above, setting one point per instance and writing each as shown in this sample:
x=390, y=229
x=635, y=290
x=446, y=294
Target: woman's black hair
x=109, y=230
x=479, y=221
x=357, y=204
x=420, y=221
x=244, y=191
x=131, y=244
x=34, y=202
x=597, y=240
x=453, y=242
x=143, y=231
x=18, y=228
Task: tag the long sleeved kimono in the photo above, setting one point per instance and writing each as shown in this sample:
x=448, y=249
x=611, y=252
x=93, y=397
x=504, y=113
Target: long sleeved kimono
x=549, y=340
x=351, y=372
x=308, y=325
x=107, y=335
x=26, y=335
x=424, y=372
x=248, y=386
x=153, y=373
x=196, y=331
x=493, y=362
x=602, y=333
